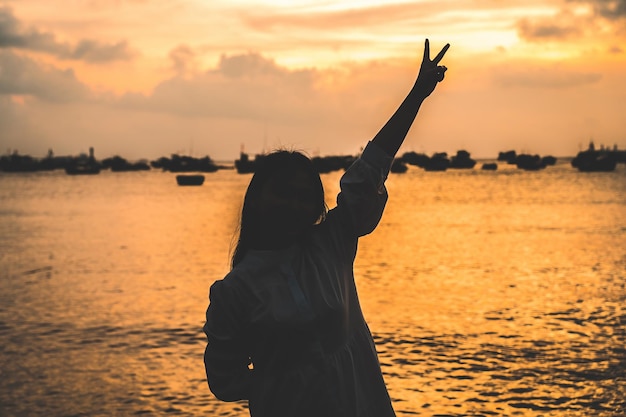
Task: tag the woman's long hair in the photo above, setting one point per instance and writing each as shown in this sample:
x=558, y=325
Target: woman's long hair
x=279, y=166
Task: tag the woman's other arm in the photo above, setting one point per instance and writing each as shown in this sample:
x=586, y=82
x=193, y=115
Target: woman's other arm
x=225, y=358
x=392, y=134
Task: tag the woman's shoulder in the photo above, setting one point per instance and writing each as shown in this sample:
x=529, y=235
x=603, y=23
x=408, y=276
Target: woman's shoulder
x=256, y=265
x=236, y=284
x=226, y=287
x=235, y=281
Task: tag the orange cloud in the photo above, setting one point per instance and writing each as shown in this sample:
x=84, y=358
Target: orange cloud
x=15, y=36
x=20, y=75
x=383, y=15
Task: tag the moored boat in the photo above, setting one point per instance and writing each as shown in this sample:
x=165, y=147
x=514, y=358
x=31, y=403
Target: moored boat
x=190, y=179
x=489, y=166
x=83, y=165
x=82, y=169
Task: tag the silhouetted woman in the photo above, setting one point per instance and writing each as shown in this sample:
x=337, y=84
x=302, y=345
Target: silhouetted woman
x=285, y=329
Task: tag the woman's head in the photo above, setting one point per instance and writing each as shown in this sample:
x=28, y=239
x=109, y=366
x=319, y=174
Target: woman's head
x=285, y=198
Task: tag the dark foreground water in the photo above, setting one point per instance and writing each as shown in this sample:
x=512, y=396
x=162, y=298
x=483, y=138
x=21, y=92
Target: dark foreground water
x=489, y=293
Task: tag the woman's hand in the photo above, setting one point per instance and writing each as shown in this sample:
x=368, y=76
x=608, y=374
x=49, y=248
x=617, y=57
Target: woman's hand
x=431, y=72
x=390, y=137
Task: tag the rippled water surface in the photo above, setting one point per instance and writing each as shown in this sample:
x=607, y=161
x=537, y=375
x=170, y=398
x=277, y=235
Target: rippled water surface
x=489, y=293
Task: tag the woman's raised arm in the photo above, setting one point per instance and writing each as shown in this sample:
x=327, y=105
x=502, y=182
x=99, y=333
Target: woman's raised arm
x=392, y=134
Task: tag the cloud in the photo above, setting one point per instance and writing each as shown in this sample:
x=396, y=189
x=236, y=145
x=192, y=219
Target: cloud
x=542, y=77
x=350, y=18
x=609, y=9
x=241, y=86
x=254, y=65
x=23, y=76
x=553, y=28
x=14, y=35
x=183, y=59
x=94, y=51
x=574, y=22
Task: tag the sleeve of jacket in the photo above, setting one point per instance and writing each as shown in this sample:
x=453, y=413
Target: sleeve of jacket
x=226, y=358
x=363, y=194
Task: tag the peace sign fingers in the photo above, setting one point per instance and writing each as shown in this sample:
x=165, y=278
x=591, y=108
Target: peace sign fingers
x=439, y=56
x=430, y=72
x=441, y=53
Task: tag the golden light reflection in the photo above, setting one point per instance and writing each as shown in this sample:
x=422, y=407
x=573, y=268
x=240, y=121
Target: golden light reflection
x=486, y=292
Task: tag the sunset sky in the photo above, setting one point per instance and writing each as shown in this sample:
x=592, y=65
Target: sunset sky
x=147, y=78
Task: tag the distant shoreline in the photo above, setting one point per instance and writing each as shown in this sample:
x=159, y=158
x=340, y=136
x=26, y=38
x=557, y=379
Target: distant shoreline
x=603, y=159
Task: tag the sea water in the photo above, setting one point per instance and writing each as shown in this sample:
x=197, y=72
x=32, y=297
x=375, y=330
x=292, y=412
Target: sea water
x=488, y=293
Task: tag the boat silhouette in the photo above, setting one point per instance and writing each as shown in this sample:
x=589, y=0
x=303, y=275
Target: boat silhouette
x=592, y=160
x=191, y=179
x=83, y=165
